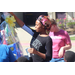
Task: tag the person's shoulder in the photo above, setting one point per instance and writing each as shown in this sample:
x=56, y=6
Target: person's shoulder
x=49, y=38
x=3, y=45
x=4, y=48
x=63, y=31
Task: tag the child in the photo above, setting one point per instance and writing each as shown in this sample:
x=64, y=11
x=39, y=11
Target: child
x=41, y=44
x=22, y=59
x=69, y=56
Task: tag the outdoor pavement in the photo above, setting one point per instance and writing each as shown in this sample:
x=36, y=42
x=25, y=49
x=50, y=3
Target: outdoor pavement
x=25, y=39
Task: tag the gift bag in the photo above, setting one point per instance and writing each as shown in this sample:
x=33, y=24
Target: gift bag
x=10, y=38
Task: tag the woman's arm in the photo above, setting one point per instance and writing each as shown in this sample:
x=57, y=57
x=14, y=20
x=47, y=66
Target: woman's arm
x=62, y=49
x=21, y=23
x=67, y=41
x=67, y=46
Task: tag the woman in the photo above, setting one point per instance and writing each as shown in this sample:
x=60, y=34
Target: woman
x=41, y=43
x=61, y=42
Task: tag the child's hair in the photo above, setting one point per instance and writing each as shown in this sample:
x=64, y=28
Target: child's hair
x=69, y=56
x=22, y=59
x=53, y=22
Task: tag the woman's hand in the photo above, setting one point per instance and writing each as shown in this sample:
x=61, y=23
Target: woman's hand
x=61, y=52
x=62, y=49
x=20, y=22
x=32, y=51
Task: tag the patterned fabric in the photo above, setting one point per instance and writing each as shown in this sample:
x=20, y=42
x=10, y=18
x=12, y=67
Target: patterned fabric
x=44, y=20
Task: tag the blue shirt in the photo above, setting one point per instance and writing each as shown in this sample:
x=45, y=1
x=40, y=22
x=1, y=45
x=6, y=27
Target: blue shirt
x=6, y=55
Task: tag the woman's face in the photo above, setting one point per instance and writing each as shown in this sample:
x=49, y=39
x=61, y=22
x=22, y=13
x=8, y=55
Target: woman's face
x=38, y=26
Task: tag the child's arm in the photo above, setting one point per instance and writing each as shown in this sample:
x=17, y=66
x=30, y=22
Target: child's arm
x=33, y=51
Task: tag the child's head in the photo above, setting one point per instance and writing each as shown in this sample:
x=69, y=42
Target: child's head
x=69, y=56
x=22, y=59
x=42, y=22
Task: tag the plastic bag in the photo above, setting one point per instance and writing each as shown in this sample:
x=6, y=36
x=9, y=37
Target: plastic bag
x=9, y=34
x=5, y=14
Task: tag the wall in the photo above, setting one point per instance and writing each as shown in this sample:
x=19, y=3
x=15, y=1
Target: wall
x=50, y=15
x=20, y=16
x=30, y=17
x=69, y=15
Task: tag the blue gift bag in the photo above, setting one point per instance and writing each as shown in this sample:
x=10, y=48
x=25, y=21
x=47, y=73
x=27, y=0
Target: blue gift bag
x=14, y=49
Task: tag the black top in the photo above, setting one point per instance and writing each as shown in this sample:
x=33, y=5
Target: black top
x=43, y=45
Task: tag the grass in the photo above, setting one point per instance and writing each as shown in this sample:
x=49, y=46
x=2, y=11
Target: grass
x=72, y=38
